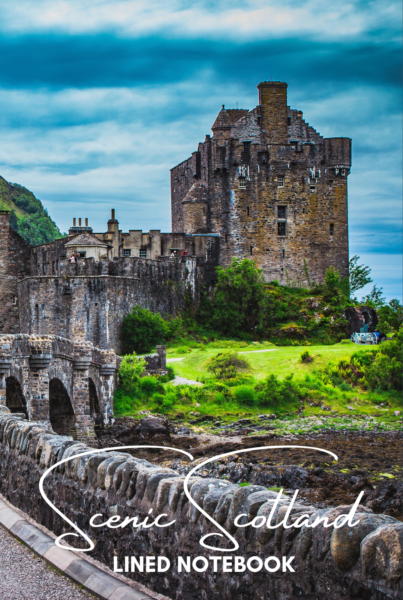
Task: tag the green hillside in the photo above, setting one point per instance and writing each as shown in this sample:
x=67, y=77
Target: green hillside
x=28, y=216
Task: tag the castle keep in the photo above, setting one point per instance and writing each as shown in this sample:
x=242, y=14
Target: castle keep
x=271, y=187
x=266, y=186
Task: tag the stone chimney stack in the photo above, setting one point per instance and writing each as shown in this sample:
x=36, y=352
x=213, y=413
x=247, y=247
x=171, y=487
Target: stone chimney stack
x=273, y=102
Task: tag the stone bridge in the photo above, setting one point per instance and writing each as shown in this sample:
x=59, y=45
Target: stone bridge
x=67, y=385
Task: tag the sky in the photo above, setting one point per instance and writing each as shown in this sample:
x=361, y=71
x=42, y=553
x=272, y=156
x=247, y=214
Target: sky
x=100, y=99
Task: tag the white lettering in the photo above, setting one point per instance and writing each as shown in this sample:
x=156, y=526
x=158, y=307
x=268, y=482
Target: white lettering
x=115, y=565
x=286, y=564
x=268, y=560
x=259, y=563
x=182, y=563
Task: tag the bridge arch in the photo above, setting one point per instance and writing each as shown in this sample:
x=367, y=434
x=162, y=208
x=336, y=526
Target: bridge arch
x=15, y=399
x=61, y=413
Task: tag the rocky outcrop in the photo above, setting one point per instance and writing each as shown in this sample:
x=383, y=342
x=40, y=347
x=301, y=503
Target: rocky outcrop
x=360, y=562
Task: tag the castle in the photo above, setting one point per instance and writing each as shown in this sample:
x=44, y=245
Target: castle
x=266, y=186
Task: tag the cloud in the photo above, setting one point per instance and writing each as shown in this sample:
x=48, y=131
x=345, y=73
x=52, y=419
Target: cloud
x=99, y=99
x=249, y=19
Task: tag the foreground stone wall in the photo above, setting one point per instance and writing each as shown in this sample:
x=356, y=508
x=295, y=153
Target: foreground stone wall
x=364, y=562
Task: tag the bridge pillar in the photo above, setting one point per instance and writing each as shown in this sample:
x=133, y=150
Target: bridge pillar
x=81, y=394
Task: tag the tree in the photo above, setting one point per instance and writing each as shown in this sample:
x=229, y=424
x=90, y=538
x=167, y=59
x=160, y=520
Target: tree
x=240, y=298
x=358, y=274
x=390, y=316
x=142, y=330
x=375, y=297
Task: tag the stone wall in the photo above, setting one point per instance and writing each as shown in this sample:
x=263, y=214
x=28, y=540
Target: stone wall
x=364, y=562
x=88, y=300
x=14, y=264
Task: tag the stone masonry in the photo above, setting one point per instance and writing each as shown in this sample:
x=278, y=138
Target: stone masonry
x=351, y=563
x=271, y=187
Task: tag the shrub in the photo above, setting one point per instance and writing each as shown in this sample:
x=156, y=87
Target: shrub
x=275, y=392
x=306, y=357
x=130, y=371
x=142, y=330
x=150, y=385
x=157, y=399
x=244, y=395
x=226, y=364
x=122, y=404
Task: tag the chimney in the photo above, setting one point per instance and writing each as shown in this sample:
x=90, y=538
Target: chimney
x=113, y=214
x=79, y=222
x=86, y=222
x=74, y=222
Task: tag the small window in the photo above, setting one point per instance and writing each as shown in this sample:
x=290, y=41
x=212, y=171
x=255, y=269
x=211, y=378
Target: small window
x=281, y=212
x=280, y=181
x=44, y=268
x=283, y=253
x=204, y=210
x=226, y=238
x=331, y=228
x=127, y=252
x=312, y=188
x=251, y=250
x=143, y=254
x=281, y=228
x=288, y=121
x=303, y=210
x=15, y=300
x=242, y=183
x=82, y=254
x=247, y=210
x=330, y=184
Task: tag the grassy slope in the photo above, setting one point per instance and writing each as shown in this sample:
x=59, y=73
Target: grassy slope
x=282, y=361
x=7, y=193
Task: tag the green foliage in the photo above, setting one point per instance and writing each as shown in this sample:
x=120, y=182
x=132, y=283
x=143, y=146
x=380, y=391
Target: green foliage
x=142, y=330
x=374, y=298
x=276, y=392
x=244, y=395
x=306, y=357
x=150, y=385
x=225, y=365
x=390, y=316
x=27, y=215
x=130, y=371
x=385, y=373
x=358, y=274
x=239, y=298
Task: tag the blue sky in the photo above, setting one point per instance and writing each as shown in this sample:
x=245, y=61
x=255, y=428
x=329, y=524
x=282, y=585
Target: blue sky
x=99, y=99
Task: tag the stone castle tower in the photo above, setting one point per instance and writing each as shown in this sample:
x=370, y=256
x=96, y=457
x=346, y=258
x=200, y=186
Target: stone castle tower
x=271, y=187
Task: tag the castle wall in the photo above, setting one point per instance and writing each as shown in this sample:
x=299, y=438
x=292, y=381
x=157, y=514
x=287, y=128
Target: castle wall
x=88, y=301
x=14, y=264
x=276, y=191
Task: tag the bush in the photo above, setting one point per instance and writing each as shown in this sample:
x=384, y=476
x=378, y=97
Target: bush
x=306, y=357
x=150, y=385
x=122, y=404
x=142, y=330
x=385, y=372
x=226, y=364
x=130, y=371
x=244, y=395
x=275, y=392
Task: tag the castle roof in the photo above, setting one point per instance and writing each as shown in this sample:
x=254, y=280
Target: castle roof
x=226, y=118
x=197, y=193
x=85, y=239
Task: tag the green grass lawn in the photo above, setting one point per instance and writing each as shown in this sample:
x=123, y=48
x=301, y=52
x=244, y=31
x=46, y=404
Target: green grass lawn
x=281, y=360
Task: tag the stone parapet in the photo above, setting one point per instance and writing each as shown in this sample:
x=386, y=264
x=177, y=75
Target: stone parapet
x=363, y=562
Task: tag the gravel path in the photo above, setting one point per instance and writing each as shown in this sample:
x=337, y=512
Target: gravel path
x=25, y=576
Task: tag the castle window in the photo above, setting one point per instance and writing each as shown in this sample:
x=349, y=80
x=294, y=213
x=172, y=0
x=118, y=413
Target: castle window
x=242, y=183
x=283, y=253
x=281, y=212
x=246, y=152
x=280, y=181
x=127, y=252
x=288, y=121
x=204, y=210
x=312, y=187
x=330, y=183
x=331, y=228
x=247, y=210
x=226, y=238
x=251, y=250
x=44, y=268
x=143, y=253
x=14, y=300
x=303, y=210
x=281, y=228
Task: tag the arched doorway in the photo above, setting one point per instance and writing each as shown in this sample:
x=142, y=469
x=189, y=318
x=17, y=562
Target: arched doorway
x=95, y=411
x=61, y=413
x=15, y=399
